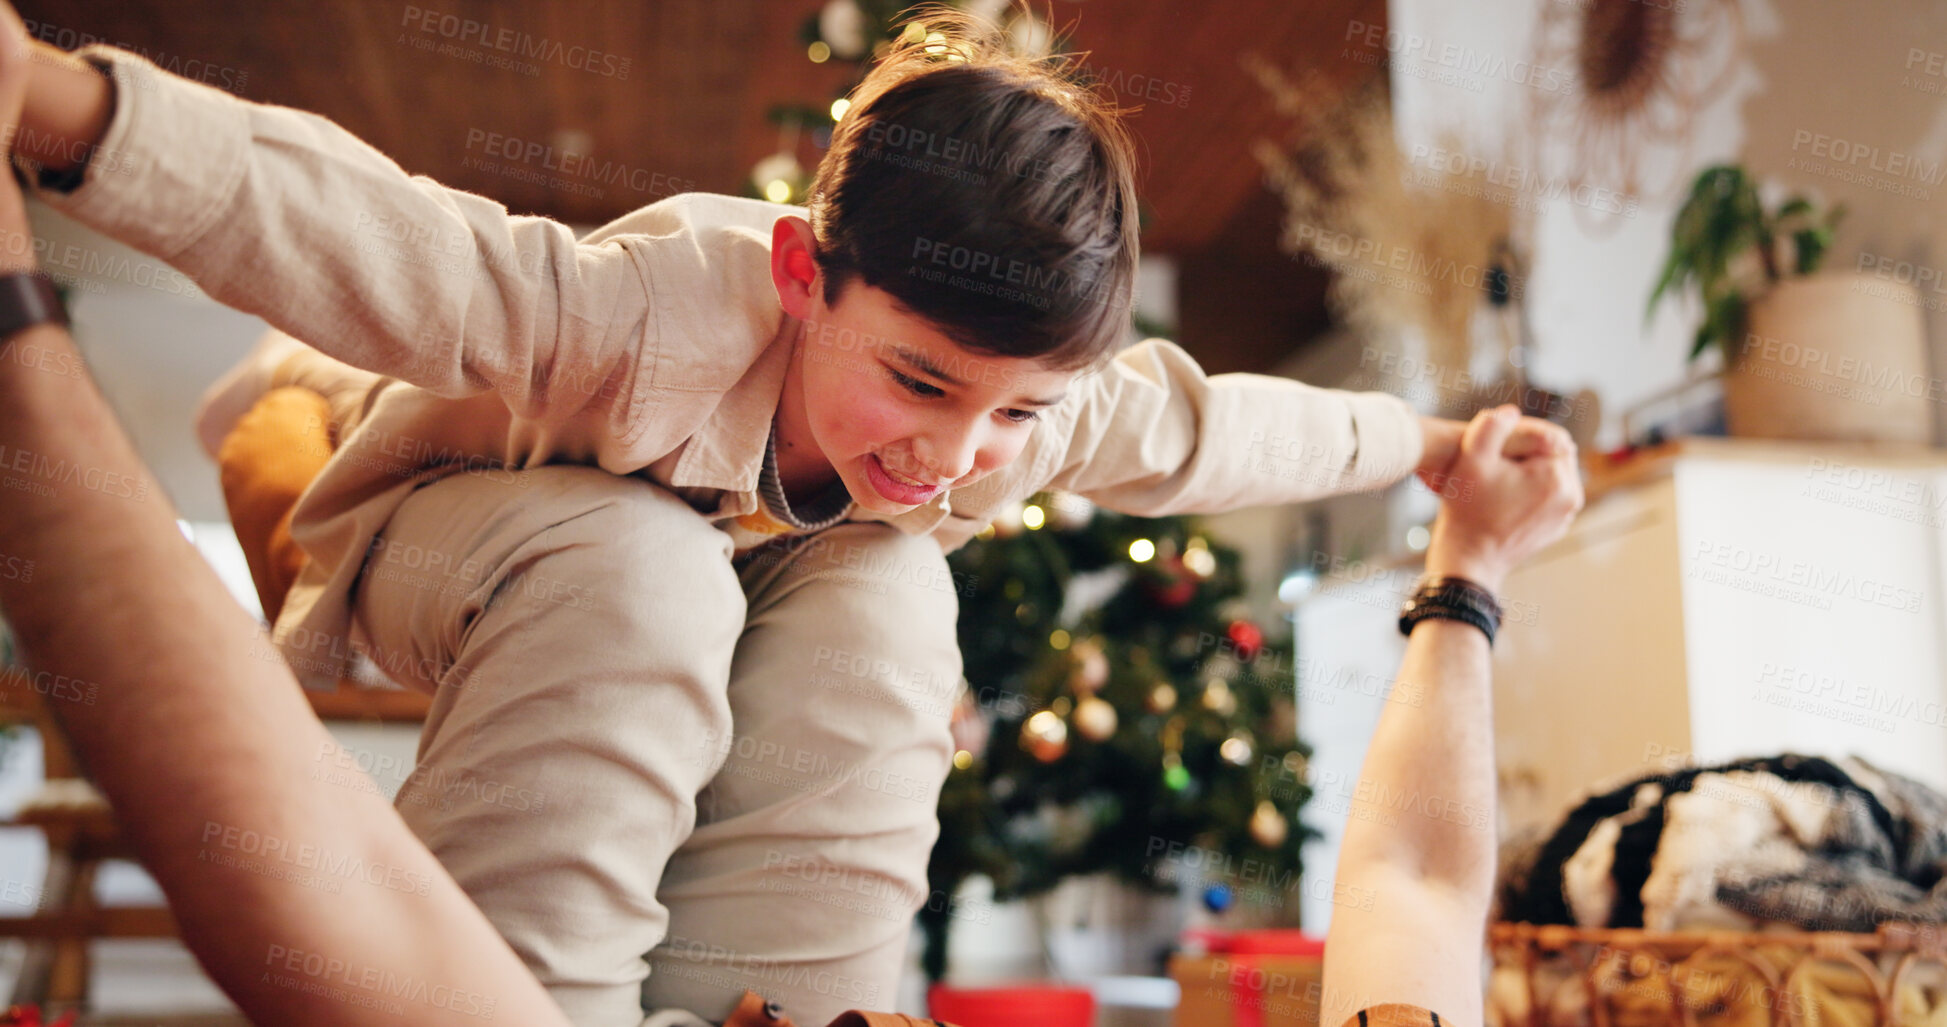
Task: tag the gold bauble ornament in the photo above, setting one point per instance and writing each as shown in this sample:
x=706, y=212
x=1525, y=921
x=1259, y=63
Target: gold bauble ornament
x=1091, y=669
x=1095, y=718
x=1045, y=736
x=1268, y=826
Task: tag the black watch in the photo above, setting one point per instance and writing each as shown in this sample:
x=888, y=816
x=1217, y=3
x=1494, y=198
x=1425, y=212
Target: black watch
x=28, y=298
x=1452, y=598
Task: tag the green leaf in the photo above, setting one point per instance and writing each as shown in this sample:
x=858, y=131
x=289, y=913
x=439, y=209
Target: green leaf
x=1675, y=273
x=1811, y=244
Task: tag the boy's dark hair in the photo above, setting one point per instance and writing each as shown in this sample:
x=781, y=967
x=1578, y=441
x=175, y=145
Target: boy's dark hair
x=989, y=193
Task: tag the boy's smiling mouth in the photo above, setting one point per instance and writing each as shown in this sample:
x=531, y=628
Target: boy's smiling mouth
x=898, y=487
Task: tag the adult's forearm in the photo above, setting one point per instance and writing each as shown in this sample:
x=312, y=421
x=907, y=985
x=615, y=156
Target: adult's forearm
x=69, y=105
x=203, y=742
x=1425, y=800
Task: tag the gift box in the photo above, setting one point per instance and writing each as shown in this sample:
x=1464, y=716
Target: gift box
x=1270, y=978
x=1026, y=1005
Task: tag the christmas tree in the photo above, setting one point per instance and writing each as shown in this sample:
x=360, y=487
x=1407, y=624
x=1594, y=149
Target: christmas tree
x=1121, y=711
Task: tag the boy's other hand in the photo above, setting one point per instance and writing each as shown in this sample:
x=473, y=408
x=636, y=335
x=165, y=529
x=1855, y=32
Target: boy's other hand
x=1513, y=488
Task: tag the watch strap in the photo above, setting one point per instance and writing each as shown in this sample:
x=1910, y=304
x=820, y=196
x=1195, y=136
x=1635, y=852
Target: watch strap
x=1452, y=598
x=28, y=298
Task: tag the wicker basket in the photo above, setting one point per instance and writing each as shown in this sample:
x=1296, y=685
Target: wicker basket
x=1555, y=976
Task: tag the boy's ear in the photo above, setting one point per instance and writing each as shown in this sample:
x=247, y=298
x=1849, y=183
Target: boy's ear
x=793, y=271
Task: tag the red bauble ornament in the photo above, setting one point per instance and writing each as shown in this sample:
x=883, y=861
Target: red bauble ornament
x=1247, y=637
x=1173, y=585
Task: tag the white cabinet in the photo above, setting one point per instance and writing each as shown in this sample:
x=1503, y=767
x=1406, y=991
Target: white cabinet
x=1721, y=598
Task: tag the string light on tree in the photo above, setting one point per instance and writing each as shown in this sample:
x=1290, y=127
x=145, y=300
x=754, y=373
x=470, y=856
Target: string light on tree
x=1237, y=750
x=842, y=26
x=1162, y=697
x=1269, y=827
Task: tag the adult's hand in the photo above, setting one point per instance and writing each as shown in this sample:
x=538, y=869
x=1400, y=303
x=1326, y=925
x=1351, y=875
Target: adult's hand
x=1512, y=489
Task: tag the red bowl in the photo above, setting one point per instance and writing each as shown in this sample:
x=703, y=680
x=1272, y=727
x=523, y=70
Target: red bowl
x=1032, y=1005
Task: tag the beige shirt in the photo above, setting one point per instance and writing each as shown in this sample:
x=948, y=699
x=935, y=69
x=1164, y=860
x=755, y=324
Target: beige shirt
x=653, y=346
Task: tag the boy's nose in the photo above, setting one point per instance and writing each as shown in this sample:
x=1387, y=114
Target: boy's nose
x=949, y=456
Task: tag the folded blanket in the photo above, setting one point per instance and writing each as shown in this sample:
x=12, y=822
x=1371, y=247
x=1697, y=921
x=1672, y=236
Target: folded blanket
x=1790, y=840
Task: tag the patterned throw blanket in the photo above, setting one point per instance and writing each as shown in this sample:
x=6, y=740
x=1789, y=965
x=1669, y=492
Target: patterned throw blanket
x=1816, y=844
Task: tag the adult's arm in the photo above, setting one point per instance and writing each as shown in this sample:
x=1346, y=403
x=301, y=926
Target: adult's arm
x=308, y=900
x=1420, y=840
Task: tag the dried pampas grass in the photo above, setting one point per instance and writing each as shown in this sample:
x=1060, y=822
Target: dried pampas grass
x=1410, y=246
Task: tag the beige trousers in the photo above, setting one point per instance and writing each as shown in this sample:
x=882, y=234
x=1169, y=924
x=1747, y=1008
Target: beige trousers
x=641, y=755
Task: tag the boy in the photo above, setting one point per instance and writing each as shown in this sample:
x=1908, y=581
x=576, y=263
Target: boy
x=790, y=414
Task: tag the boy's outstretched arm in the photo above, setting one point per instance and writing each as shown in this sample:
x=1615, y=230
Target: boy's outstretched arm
x=308, y=901
x=285, y=215
x=1151, y=434
x=1420, y=840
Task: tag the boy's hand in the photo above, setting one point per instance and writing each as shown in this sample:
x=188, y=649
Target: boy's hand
x=16, y=59
x=1520, y=494
x=1531, y=436
x=66, y=105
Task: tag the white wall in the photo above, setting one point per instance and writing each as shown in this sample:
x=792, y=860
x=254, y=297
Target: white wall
x=1809, y=68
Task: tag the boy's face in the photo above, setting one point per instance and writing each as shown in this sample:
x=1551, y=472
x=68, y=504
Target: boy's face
x=899, y=410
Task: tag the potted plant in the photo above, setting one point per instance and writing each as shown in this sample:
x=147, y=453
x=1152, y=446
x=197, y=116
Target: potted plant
x=1807, y=355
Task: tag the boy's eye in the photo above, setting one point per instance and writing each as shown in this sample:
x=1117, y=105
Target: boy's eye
x=914, y=385
x=929, y=390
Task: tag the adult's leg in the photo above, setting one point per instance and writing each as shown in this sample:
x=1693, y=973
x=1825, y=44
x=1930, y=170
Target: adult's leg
x=578, y=627
x=809, y=856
